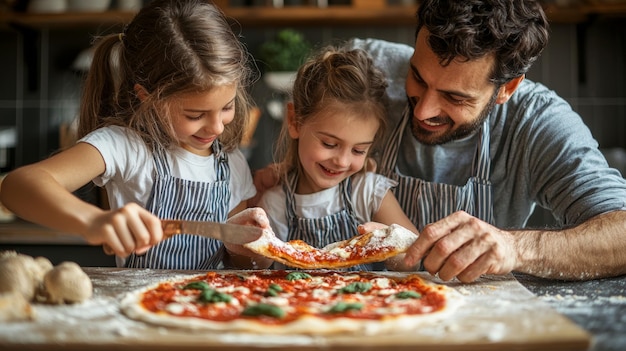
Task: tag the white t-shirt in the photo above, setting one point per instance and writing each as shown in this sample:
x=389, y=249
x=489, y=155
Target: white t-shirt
x=129, y=173
x=368, y=191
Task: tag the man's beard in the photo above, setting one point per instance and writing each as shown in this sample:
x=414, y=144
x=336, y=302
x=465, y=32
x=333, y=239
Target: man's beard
x=463, y=130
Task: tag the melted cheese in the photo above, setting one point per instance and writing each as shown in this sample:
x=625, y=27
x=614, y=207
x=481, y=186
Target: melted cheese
x=175, y=308
x=341, y=252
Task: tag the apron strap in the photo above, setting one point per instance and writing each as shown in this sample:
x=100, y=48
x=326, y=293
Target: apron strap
x=481, y=164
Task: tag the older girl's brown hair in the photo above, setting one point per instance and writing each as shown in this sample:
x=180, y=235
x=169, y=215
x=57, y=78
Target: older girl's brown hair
x=334, y=75
x=171, y=47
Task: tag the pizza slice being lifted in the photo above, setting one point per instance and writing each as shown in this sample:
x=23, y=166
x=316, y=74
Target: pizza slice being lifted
x=375, y=246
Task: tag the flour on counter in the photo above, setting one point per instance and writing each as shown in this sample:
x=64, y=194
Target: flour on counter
x=77, y=318
x=497, y=310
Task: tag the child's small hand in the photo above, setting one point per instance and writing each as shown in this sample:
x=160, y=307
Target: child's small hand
x=254, y=216
x=126, y=230
x=240, y=256
x=370, y=227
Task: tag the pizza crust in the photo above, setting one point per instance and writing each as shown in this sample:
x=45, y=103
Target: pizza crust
x=307, y=325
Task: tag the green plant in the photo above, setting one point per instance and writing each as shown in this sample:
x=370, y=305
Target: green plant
x=286, y=52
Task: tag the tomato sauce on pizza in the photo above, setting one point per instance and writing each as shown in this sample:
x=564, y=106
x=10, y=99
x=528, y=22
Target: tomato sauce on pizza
x=277, y=301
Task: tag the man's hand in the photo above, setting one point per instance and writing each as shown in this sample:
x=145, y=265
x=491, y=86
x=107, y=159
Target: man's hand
x=465, y=247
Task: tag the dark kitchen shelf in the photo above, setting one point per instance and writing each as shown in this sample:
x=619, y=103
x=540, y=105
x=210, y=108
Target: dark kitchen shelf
x=303, y=16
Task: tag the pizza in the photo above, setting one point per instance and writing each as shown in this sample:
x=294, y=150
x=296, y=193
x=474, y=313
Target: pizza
x=375, y=246
x=293, y=302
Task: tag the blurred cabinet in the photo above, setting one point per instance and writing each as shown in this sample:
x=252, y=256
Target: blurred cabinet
x=347, y=13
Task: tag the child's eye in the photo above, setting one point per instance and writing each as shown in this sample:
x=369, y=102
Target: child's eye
x=194, y=118
x=359, y=152
x=229, y=107
x=328, y=145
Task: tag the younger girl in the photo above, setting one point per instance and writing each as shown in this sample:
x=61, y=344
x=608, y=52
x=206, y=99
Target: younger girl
x=162, y=112
x=335, y=121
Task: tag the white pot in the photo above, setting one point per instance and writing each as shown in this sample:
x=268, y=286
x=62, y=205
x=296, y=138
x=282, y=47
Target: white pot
x=129, y=5
x=282, y=81
x=88, y=5
x=47, y=6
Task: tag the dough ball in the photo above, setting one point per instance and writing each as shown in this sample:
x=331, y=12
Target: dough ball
x=7, y=253
x=67, y=283
x=18, y=273
x=14, y=307
x=44, y=265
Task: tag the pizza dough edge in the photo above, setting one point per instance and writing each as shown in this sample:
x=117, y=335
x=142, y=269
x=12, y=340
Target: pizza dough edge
x=307, y=325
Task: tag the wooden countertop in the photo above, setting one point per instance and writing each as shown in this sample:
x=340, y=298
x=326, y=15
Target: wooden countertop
x=498, y=314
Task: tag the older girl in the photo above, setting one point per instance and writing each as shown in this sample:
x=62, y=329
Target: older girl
x=162, y=113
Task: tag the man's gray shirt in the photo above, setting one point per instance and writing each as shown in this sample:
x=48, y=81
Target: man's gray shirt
x=541, y=151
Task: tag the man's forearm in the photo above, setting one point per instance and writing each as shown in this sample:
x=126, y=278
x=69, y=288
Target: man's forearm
x=594, y=249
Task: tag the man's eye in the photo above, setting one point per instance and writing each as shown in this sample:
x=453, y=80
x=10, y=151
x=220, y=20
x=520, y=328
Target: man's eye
x=455, y=101
x=418, y=79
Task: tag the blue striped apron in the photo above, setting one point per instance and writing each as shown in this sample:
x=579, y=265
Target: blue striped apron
x=427, y=202
x=319, y=232
x=176, y=198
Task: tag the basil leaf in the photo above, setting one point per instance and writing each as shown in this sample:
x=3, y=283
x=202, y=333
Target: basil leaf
x=298, y=276
x=263, y=309
x=408, y=295
x=213, y=296
x=199, y=285
x=342, y=307
x=273, y=290
x=275, y=287
x=356, y=287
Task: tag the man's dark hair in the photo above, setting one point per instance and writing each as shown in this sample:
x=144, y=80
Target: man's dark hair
x=515, y=31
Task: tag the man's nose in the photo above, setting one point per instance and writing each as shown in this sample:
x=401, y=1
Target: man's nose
x=426, y=106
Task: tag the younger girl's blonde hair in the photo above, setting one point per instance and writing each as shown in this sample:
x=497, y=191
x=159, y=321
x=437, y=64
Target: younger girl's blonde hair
x=335, y=75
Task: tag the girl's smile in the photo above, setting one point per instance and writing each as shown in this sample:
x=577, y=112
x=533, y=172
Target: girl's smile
x=330, y=148
x=199, y=118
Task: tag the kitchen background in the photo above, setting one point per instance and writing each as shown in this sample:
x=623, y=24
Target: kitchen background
x=43, y=45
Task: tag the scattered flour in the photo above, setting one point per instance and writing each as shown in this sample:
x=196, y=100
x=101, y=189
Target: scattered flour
x=496, y=309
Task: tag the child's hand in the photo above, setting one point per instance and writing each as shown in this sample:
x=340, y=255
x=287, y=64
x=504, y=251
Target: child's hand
x=239, y=255
x=370, y=227
x=254, y=216
x=126, y=230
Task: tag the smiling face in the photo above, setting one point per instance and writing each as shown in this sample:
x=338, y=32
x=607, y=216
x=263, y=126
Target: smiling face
x=332, y=145
x=449, y=102
x=199, y=118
